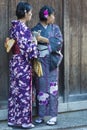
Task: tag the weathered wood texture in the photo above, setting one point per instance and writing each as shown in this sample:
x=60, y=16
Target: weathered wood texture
x=75, y=31
x=3, y=55
x=7, y=13
x=71, y=17
x=84, y=47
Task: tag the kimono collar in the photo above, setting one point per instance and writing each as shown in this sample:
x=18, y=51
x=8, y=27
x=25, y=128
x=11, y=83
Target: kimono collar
x=17, y=22
x=43, y=26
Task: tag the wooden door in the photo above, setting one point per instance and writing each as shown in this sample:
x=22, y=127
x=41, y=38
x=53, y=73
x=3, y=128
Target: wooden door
x=3, y=56
x=75, y=36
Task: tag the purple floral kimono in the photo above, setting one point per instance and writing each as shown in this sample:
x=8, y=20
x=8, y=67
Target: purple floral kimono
x=47, y=85
x=20, y=91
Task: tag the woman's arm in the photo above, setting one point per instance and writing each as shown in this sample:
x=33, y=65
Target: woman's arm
x=55, y=40
x=42, y=39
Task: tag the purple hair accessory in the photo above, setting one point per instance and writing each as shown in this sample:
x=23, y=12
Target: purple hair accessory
x=46, y=13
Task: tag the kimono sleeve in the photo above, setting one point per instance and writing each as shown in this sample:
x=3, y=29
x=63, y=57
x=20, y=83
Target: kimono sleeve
x=56, y=39
x=27, y=47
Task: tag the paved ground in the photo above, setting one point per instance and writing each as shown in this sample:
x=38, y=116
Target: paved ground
x=66, y=121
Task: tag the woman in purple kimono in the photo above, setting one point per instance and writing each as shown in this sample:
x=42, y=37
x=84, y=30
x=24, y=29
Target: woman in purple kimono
x=47, y=85
x=24, y=50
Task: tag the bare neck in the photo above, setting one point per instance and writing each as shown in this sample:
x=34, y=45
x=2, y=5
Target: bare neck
x=22, y=20
x=44, y=23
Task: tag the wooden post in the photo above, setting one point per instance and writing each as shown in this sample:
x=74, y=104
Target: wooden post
x=66, y=49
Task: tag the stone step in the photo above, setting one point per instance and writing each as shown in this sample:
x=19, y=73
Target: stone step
x=66, y=121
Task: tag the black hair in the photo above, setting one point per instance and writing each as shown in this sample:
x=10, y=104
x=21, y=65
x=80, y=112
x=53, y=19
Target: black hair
x=22, y=8
x=41, y=12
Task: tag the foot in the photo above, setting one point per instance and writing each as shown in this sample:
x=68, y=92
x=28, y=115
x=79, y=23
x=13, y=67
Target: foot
x=39, y=120
x=29, y=126
x=52, y=121
x=10, y=124
x=13, y=125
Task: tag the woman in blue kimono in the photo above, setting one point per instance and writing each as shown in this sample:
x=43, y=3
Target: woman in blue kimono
x=47, y=85
x=24, y=50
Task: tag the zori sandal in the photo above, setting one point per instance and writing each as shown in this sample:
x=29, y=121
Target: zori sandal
x=52, y=121
x=29, y=126
x=39, y=120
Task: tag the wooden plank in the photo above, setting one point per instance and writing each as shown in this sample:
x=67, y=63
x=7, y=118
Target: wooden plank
x=75, y=42
x=67, y=47
x=84, y=47
x=78, y=37
x=75, y=35
x=3, y=55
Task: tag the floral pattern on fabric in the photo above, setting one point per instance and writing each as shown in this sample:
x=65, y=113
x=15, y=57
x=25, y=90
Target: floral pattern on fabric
x=43, y=98
x=20, y=91
x=46, y=83
x=53, y=88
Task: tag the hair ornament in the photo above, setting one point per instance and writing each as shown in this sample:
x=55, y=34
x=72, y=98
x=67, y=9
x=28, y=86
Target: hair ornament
x=46, y=13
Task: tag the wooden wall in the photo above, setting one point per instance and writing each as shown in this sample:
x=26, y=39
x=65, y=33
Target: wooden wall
x=3, y=56
x=75, y=30
x=71, y=17
x=7, y=13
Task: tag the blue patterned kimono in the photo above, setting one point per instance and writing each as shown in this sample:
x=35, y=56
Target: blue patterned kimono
x=20, y=91
x=47, y=85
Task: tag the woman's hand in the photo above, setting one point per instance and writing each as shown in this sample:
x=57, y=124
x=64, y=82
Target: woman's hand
x=42, y=39
x=34, y=40
x=39, y=37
